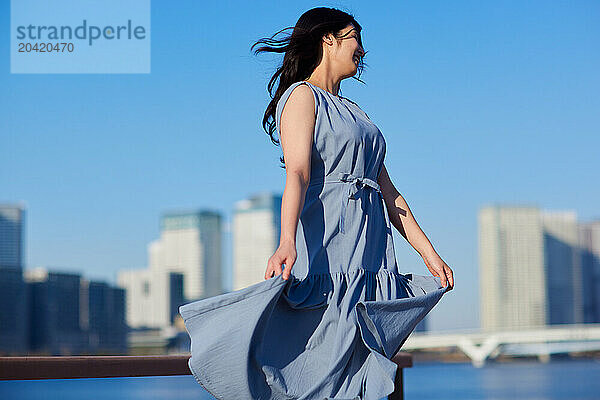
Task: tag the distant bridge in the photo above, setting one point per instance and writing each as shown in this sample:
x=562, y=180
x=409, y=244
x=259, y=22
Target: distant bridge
x=541, y=341
x=476, y=344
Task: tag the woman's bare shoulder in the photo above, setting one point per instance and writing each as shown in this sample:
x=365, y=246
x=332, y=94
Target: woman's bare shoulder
x=301, y=100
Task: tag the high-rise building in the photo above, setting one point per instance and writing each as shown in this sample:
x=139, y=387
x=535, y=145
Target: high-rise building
x=70, y=315
x=11, y=236
x=589, y=238
x=102, y=316
x=153, y=296
x=530, y=267
x=54, y=313
x=184, y=265
x=190, y=244
x=511, y=259
x=256, y=228
x=562, y=260
x=13, y=312
x=137, y=285
x=13, y=291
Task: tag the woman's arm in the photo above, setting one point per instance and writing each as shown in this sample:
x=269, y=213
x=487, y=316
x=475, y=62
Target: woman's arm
x=401, y=216
x=404, y=221
x=297, y=126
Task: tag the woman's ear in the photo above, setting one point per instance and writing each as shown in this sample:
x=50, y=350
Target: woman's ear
x=328, y=39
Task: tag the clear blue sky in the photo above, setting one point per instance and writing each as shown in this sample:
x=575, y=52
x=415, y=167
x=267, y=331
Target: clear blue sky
x=479, y=102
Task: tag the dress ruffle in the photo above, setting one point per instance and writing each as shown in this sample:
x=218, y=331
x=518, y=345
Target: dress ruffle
x=324, y=336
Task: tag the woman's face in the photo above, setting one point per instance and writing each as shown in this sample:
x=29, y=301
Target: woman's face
x=347, y=50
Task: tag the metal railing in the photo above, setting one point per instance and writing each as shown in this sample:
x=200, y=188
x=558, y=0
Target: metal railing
x=67, y=367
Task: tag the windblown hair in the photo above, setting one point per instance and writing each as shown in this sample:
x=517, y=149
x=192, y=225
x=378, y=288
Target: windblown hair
x=303, y=52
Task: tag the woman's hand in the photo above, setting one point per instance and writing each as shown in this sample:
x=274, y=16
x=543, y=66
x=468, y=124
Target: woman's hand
x=285, y=254
x=438, y=267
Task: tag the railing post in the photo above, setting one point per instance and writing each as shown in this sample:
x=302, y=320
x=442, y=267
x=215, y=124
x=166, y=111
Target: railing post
x=403, y=360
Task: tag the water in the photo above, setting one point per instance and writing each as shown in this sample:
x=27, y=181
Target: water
x=526, y=380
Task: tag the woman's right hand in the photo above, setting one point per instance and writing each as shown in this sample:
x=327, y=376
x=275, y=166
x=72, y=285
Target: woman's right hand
x=285, y=254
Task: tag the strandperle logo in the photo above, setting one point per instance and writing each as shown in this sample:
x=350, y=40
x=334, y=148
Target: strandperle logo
x=80, y=37
x=90, y=33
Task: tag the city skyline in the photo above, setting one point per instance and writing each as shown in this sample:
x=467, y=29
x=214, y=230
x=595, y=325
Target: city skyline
x=260, y=201
x=473, y=111
x=48, y=311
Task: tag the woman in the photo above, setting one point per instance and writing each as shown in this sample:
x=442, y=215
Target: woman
x=333, y=308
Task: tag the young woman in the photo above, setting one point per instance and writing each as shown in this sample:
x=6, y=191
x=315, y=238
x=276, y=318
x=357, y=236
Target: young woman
x=333, y=308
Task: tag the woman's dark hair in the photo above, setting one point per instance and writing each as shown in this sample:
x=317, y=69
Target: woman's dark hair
x=303, y=52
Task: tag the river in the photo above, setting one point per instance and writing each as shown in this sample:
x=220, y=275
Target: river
x=522, y=380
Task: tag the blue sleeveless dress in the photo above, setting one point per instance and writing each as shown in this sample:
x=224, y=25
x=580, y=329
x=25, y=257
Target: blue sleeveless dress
x=330, y=331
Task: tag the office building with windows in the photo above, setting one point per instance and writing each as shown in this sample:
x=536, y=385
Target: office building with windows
x=256, y=228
